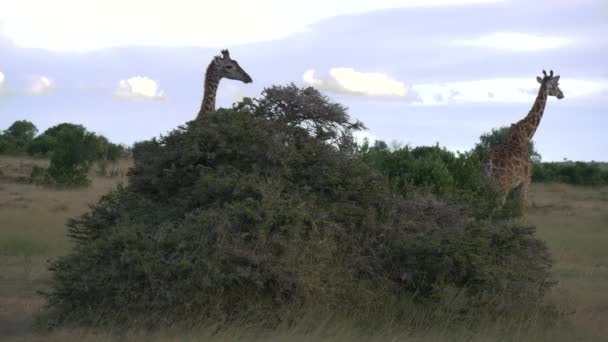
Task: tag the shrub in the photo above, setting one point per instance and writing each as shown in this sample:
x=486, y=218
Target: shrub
x=42, y=146
x=74, y=149
x=242, y=214
x=455, y=178
x=8, y=144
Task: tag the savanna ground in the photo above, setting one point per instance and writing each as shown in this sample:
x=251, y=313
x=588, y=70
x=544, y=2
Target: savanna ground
x=572, y=220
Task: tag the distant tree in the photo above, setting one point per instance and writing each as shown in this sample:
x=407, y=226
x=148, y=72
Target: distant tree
x=7, y=144
x=42, y=146
x=22, y=130
x=108, y=150
x=17, y=137
x=74, y=149
x=579, y=173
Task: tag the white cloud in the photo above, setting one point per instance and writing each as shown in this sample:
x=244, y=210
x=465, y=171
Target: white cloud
x=309, y=78
x=350, y=81
x=100, y=24
x=139, y=87
x=360, y=137
x=3, y=90
x=235, y=93
x=41, y=85
x=505, y=90
x=516, y=41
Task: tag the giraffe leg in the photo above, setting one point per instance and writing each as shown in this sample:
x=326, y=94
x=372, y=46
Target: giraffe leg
x=502, y=199
x=523, y=195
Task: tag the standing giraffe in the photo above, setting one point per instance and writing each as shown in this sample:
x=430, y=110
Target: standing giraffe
x=508, y=164
x=220, y=67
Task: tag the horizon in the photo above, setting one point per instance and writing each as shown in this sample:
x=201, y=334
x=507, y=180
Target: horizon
x=415, y=72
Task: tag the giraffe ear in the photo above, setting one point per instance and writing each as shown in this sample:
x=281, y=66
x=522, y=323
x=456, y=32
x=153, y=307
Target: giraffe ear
x=540, y=80
x=556, y=78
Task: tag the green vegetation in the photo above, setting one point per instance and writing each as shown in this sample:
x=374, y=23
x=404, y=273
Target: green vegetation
x=579, y=173
x=380, y=295
x=70, y=147
x=454, y=178
x=269, y=212
x=74, y=149
x=16, y=138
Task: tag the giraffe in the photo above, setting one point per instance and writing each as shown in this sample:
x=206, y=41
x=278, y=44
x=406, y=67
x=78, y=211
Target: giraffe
x=220, y=67
x=508, y=164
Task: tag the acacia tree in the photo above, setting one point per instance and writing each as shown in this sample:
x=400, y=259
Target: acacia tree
x=304, y=109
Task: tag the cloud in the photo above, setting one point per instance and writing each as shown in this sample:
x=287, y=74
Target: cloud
x=361, y=136
x=139, y=87
x=516, y=41
x=236, y=93
x=350, y=81
x=41, y=85
x=4, y=91
x=177, y=24
x=504, y=90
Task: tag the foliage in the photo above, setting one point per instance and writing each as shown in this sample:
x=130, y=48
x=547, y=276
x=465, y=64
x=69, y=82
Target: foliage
x=17, y=137
x=21, y=138
x=303, y=108
x=70, y=147
x=456, y=178
x=251, y=214
x=42, y=146
x=578, y=173
x=73, y=151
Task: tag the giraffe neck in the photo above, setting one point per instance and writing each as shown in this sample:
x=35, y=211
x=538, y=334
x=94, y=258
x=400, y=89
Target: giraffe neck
x=212, y=81
x=528, y=125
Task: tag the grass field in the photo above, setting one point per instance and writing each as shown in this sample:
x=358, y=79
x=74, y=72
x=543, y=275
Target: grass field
x=572, y=220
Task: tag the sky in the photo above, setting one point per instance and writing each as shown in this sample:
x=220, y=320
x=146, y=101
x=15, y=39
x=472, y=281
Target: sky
x=416, y=72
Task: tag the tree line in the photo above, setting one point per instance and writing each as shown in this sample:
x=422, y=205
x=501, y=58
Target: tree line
x=71, y=149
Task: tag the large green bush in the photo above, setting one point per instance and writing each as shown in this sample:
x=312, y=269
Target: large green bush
x=267, y=210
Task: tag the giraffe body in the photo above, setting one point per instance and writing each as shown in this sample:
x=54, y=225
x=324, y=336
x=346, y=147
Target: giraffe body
x=220, y=67
x=508, y=165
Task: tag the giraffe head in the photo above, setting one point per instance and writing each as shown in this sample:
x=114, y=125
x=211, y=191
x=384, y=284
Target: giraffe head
x=227, y=67
x=551, y=84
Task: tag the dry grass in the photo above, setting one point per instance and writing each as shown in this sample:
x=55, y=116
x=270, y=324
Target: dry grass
x=32, y=223
x=573, y=221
